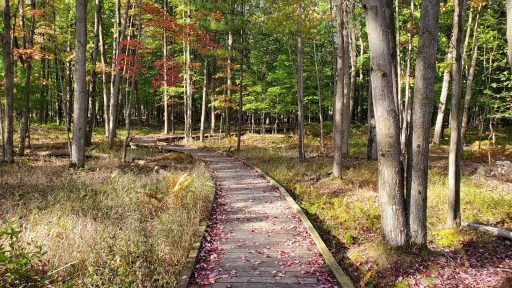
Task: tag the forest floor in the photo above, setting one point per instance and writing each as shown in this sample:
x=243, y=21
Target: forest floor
x=107, y=225
x=346, y=211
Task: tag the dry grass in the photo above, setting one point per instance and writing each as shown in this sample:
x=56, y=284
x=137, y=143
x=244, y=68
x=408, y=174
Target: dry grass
x=100, y=224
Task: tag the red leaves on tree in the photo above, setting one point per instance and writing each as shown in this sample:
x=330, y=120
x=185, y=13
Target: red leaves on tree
x=171, y=69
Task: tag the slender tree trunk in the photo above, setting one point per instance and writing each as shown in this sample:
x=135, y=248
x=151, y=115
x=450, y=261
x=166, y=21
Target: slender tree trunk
x=229, y=84
x=188, y=78
x=447, y=76
x=466, y=40
x=68, y=101
x=133, y=89
x=91, y=117
x=319, y=93
x=379, y=19
x=372, y=133
x=203, y=102
x=114, y=101
x=398, y=59
x=104, y=81
x=340, y=90
x=300, y=84
x=166, y=97
x=80, y=103
x=8, y=83
x=454, y=217
x=406, y=119
x=27, y=44
x=471, y=76
x=421, y=120
x=241, y=97
x=347, y=86
x=509, y=30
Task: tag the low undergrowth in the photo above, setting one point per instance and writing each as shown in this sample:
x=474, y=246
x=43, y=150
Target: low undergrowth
x=107, y=225
x=346, y=212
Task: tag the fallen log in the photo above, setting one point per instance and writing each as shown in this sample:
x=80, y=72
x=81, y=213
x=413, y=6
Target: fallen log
x=491, y=230
x=64, y=153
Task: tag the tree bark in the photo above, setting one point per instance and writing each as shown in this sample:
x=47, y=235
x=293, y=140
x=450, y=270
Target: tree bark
x=229, y=84
x=447, y=76
x=454, y=217
x=300, y=84
x=379, y=19
x=189, y=90
x=340, y=90
x=166, y=97
x=422, y=107
x=80, y=102
x=9, y=83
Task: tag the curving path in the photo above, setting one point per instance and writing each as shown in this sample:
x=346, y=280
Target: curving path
x=254, y=238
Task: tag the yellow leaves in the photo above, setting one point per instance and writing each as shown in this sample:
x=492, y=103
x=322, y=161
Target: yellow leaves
x=176, y=186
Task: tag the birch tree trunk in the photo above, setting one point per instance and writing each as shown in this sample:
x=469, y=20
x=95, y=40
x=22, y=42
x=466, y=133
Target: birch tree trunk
x=80, y=102
x=421, y=120
x=447, y=77
x=380, y=25
x=454, y=217
x=340, y=90
x=8, y=82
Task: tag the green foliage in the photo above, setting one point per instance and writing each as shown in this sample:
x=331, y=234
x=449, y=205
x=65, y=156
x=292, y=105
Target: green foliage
x=21, y=263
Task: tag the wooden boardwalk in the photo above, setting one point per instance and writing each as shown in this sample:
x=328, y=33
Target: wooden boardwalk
x=254, y=238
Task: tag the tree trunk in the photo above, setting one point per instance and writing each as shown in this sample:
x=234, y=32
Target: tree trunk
x=114, y=101
x=229, y=83
x=372, y=134
x=166, y=97
x=454, y=217
x=379, y=19
x=27, y=44
x=447, y=75
x=421, y=120
x=203, y=102
x=406, y=118
x=91, y=117
x=80, y=102
x=133, y=89
x=300, y=84
x=340, y=90
x=319, y=93
x=9, y=83
x=347, y=78
x=104, y=81
x=241, y=97
x=471, y=76
x=509, y=30
x=188, y=78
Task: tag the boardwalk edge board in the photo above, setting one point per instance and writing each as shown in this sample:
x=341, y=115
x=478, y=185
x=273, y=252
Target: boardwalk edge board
x=188, y=270
x=338, y=272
